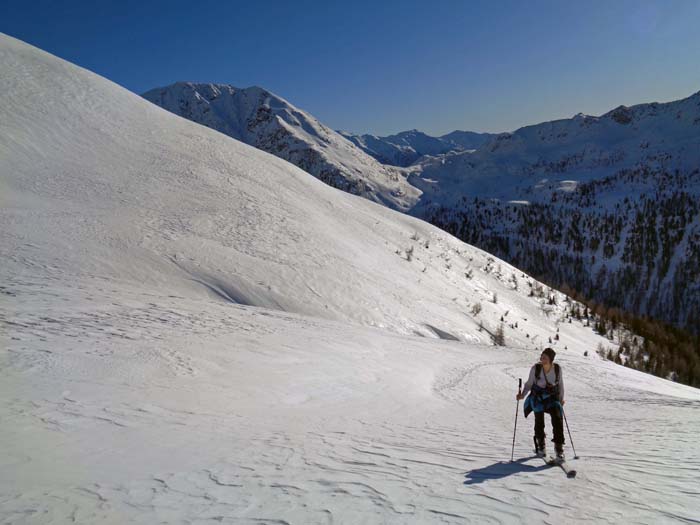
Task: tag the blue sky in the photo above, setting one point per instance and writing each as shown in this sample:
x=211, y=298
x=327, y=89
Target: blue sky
x=387, y=66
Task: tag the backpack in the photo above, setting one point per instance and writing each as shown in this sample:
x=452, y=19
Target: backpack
x=551, y=388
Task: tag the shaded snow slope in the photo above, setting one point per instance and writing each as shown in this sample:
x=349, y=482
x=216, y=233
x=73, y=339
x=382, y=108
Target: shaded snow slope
x=270, y=123
x=191, y=334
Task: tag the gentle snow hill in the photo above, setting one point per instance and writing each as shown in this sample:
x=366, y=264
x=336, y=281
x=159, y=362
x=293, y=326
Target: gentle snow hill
x=257, y=117
x=191, y=333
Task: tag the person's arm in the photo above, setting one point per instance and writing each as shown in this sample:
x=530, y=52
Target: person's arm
x=530, y=381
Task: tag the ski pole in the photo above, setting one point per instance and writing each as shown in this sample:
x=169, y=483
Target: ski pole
x=569, y=431
x=517, y=407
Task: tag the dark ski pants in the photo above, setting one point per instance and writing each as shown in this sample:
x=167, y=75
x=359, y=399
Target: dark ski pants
x=557, y=425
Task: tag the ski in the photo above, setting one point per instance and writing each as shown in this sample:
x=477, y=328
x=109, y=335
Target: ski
x=570, y=473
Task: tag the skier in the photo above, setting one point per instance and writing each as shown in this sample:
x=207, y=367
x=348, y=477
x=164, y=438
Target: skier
x=546, y=387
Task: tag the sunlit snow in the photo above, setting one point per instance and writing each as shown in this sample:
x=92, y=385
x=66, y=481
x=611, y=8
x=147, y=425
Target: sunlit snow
x=194, y=331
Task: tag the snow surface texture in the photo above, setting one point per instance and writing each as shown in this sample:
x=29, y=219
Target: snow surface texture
x=270, y=123
x=194, y=331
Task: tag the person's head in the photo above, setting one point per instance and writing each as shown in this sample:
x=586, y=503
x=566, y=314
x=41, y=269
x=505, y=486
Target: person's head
x=547, y=357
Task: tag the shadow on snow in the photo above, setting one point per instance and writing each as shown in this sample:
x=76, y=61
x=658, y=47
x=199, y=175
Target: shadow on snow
x=502, y=469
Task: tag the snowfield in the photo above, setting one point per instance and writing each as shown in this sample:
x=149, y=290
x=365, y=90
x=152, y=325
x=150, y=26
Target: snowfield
x=194, y=331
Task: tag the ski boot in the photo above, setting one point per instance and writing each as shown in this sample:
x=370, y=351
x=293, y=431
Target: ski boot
x=540, y=447
x=559, y=449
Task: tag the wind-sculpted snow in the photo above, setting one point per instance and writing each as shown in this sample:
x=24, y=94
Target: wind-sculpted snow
x=194, y=331
x=189, y=411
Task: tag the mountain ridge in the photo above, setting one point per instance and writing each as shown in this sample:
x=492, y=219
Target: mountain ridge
x=407, y=147
x=268, y=122
x=573, y=160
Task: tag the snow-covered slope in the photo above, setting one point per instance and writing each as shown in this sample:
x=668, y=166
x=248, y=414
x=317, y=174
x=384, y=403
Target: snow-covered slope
x=584, y=147
x=196, y=331
x=405, y=148
x=264, y=120
x=121, y=189
x=608, y=205
x=513, y=165
x=609, y=172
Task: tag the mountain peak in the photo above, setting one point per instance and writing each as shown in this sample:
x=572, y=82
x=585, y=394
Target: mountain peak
x=260, y=118
x=621, y=115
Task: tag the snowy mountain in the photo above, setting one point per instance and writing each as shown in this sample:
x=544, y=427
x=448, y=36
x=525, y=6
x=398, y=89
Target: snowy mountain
x=385, y=152
x=149, y=197
x=259, y=118
x=194, y=330
x=630, y=176
x=405, y=148
x=468, y=139
x=607, y=206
